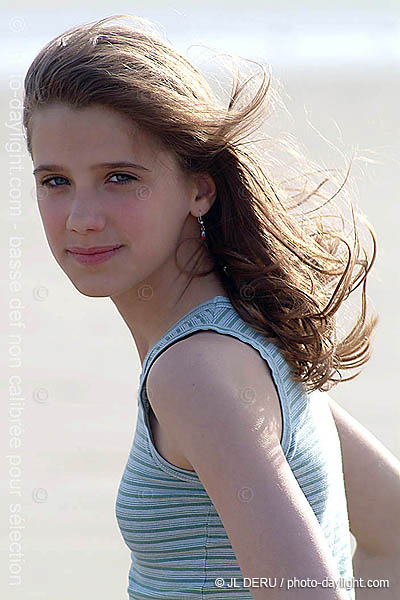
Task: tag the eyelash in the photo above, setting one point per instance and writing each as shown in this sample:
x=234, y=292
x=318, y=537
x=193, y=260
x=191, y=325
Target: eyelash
x=45, y=182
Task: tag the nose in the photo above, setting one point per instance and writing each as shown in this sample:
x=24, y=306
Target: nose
x=86, y=215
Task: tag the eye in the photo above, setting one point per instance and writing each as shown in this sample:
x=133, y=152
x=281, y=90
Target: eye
x=131, y=178
x=46, y=182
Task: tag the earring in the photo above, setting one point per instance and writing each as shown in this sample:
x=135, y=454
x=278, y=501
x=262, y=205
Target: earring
x=203, y=237
x=203, y=231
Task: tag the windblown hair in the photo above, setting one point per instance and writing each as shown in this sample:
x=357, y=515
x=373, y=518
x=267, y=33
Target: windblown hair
x=287, y=272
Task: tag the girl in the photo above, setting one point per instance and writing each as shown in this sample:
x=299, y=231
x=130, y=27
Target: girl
x=242, y=480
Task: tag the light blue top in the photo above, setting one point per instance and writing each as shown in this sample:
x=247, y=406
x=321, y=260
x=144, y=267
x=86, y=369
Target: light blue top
x=178, y=544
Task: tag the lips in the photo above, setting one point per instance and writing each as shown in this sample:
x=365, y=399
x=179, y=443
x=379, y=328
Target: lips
x=93, y=250
x=94, y=256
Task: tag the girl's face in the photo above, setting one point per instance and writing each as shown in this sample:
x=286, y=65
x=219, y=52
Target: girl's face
x=86, y=201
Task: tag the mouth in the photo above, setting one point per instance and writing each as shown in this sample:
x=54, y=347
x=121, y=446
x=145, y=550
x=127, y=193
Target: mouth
x=93, y=256
x=94, y=250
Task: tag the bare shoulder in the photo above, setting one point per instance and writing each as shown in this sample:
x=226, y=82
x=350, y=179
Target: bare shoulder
x=214, y=363
x=211, y=350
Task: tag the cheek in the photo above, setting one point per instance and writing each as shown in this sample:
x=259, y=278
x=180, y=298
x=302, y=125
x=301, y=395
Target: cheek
x=152, y=232
x=131, y=220
x=53, y=220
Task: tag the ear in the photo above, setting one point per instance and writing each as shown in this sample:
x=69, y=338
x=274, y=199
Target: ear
x=204, y=194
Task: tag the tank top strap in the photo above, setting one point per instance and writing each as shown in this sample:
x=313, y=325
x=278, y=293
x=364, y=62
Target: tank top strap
x=196, y=319
x=218, y=314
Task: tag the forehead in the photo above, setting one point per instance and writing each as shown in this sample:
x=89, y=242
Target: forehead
x=65, y=130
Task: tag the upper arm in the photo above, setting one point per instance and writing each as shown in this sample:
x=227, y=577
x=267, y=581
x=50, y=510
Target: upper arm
x=372, y=480
x=200, y=393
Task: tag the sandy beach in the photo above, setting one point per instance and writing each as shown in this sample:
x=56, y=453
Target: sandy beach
x=74, y=369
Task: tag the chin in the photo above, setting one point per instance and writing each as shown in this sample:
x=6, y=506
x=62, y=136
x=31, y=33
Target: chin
x=93, y=294
x=93, y=290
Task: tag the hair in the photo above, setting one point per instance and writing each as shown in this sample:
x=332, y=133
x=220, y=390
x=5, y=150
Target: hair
x=287, y=272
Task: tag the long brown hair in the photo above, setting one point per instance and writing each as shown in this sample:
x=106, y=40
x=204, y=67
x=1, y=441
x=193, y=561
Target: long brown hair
x=287, y=270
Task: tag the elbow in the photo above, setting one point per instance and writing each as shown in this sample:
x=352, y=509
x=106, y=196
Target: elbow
x=377, y=554
x=386, y=546
x=384, y=567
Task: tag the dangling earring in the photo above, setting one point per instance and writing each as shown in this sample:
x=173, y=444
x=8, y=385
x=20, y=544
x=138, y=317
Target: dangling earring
x=203, y=237
x=203, y=231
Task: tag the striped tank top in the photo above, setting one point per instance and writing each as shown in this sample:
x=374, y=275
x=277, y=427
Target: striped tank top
x=178, y=546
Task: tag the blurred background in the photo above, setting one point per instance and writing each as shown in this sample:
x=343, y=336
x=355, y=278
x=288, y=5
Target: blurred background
x=69, y=367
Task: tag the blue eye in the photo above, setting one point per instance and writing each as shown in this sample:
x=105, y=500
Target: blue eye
x=47, y=181
x=131, y=178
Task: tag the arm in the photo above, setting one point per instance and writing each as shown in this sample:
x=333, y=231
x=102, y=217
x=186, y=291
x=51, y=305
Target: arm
x=372, y=480
x=196, y=392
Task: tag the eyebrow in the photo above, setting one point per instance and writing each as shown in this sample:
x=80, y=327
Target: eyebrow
x=108, y=165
